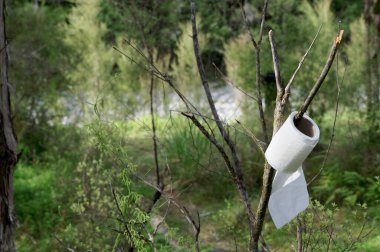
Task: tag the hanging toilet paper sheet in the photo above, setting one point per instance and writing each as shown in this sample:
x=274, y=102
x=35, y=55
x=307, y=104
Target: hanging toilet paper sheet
x=289, y=197
x=288, y=149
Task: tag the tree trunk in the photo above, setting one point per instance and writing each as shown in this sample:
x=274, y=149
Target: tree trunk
x=8, y=156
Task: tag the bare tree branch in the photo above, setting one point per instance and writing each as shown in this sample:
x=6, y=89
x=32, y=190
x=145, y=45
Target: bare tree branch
x=257, y=46
x=263, y=15
x=321, y=78
x=291, y=80
x=333, y=127
x=260, y=144
x=276, y=61
x=247, y=25
x=259, y=97
x=239, y=179
x=299, y=235
x=268, y=170
x=218, y=146
x=229, y=82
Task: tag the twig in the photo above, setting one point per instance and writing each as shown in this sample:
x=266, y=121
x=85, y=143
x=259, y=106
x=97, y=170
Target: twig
x=291, y=80
x=260, y=144
x=276, y=61
x=196, y=225
x=63, y=244
x=229, y=82
x=218, y=146
x=299, y=235
x=333, y=127
x=321, y=78
x=127, y=230
x=257, y=46
x=263, y=15
x=247, y=25
x=259, y=97
x=157, y=194
x=205, y=83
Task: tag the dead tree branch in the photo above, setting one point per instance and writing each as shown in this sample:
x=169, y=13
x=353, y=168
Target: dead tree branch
x=291, y=80
x=210, y=138
x=229, y=82
x=333, y=127
x=239, y=177
x=276, y=62
x=299, y=235
x=257, y=46
x=322, y=77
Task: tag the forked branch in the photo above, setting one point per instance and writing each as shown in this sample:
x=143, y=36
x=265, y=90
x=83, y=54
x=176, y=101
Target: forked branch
x=278, y=120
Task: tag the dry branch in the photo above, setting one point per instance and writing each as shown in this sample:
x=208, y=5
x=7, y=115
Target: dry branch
x=257, y=46
x=291, y=80
x=239, y=178
x=276, y=61
x=321, y=78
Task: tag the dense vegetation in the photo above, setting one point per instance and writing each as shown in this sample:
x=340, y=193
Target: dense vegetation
x=81, y=97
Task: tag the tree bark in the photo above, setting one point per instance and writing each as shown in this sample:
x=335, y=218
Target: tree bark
x=8, y=155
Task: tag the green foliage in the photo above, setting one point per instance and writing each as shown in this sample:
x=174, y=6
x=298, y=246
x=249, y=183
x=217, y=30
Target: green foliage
x=35, y=199
x=36, y=70
x=348, y=187
x=187, y=147
x=323, y=232
x=107, y=139
x=357, y=59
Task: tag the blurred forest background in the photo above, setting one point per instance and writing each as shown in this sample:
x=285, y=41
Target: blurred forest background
x=82, y=115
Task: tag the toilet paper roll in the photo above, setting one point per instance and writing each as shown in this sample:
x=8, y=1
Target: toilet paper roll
x=291, y=145
x=289, y=197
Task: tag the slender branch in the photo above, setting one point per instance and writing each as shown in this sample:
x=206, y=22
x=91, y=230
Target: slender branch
x=229, y=82
x=153, y=71
x=257, y=45
x=263, y=15
x=260, y=144
x=63, y=244
x=259, y=97
x=128, y=232
x=218, y=146
x=196, y=225
x=291, y=80
x=276, y=61
x=239, y=179
x=205, y=83
x=333, y=127
x=157, y=194
x=247, y=25
x=322, y=77
x=299, y=235
x=268, y=170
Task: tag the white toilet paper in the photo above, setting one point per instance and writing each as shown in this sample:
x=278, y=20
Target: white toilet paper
x=291, y=145
x=289, y=196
